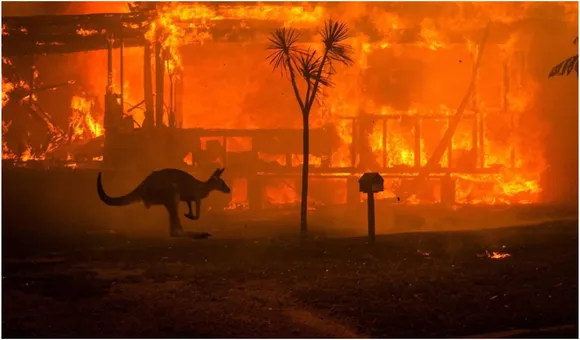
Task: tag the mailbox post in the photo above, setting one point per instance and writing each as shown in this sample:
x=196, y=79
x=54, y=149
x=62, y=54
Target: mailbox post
x=370, y=183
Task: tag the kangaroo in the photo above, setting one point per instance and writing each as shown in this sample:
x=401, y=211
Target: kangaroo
x=168, y=187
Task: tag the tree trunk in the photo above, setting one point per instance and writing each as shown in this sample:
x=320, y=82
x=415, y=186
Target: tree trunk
x=305, y=164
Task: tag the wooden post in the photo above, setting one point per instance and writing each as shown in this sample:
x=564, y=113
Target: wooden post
x=159, y=79
x=371, y=216
x=149, y=121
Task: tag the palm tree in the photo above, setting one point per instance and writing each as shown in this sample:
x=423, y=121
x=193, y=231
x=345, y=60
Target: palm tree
x=315, y=70
x=565, y=67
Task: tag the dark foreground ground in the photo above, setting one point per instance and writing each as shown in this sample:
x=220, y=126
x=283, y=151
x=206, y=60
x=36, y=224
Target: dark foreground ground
x=408, y=285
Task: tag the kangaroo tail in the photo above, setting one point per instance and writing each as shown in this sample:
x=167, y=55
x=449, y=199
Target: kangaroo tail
x=115, y=201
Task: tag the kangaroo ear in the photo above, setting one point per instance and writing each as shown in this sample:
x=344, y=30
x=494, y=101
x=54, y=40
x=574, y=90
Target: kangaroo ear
x=218, y=172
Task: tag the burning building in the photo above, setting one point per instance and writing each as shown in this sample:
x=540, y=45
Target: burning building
x=188, y=84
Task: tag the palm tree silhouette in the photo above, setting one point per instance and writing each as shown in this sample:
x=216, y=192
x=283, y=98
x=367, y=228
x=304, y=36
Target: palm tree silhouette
x=315, y=70
x=565, y=67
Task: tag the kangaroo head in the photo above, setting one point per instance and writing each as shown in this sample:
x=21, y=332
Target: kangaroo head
x=217, y=183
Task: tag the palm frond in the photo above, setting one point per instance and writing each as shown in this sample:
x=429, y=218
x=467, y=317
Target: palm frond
x=333, y=35
x=308, y=64
x=283, y=43
x=565, y=67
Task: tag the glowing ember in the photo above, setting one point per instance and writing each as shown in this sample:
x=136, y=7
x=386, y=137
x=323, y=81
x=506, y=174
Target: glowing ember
x=85, y=33
x=495, y=255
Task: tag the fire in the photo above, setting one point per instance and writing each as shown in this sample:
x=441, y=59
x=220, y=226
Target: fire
x=7, y=87
x=431, y=36
x=6, y=152
x=180, y=24
x=81, y=121
x=515, y=153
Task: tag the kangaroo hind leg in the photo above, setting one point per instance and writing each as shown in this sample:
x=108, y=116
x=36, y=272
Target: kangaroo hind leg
x=197, y=208
x=172, y=206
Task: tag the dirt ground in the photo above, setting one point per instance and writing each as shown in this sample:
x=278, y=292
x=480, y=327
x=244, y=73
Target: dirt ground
x=426, y=284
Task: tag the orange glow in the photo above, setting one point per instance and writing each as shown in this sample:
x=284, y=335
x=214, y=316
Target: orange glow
x=229, y=84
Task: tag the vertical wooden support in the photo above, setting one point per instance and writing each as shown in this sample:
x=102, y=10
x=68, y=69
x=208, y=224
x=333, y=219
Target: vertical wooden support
x=149, y=121
x=159, y=80
x=417, y=135
x=385, y=149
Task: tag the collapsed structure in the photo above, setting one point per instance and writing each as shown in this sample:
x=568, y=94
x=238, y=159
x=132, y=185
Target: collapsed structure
x=401, y=144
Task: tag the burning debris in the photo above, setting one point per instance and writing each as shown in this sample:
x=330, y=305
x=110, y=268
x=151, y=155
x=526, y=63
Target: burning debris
x=495, y=255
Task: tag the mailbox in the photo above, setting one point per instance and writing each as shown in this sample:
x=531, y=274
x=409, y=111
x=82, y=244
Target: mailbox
x=371, y=182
